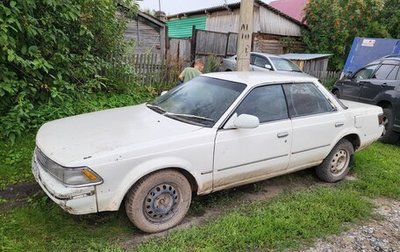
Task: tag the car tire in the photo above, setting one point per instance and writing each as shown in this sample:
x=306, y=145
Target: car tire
x=337, y=164
x=158, y=201
x=388, y=135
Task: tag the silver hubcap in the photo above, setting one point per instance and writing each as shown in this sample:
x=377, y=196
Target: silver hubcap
x=160, y=203
x=339, y=162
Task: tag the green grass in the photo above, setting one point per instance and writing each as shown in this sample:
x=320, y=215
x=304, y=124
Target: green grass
x=286, y=222
x=15, y=161
x=44, y=226
x=378, y=170
x=291, y=220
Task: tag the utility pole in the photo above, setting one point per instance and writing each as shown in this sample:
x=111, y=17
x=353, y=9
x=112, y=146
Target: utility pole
x=245, y=35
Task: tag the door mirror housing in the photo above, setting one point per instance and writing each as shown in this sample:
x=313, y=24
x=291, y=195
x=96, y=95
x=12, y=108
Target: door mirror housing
x=243, y=121
x=268, y=66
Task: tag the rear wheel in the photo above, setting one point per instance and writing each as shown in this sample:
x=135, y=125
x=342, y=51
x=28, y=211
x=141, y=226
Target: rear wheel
x=337, y=164
x=388, y=135
x=158, y=201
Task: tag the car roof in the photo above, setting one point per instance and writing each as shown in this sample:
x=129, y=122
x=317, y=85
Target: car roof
x=267, y=55
x=387, y=60
x=256, y=78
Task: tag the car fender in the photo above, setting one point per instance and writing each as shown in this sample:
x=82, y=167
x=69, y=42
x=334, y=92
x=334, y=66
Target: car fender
x=141, y=170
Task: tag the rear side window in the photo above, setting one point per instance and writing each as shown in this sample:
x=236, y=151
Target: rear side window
x=266, y=102
x=383, y=72
x=392, y=75
x=305, y=99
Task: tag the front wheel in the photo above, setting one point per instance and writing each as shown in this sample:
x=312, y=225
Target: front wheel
x=337, y=164
x=159, y=201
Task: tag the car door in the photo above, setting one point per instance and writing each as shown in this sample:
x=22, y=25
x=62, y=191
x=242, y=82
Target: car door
x=246, y=155
x=315, y=124
x=382, y=80
x=351, y=88
x=259, y=62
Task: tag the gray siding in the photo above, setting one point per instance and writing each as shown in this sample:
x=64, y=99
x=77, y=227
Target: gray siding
x=265, y=21
x=147, y=38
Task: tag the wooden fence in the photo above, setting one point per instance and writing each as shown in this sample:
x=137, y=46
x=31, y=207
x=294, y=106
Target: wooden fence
x=214, y=43
x=326, y=77
x=143, y=69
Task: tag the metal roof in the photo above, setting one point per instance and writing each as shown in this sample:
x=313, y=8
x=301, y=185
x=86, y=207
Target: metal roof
x=304, y=56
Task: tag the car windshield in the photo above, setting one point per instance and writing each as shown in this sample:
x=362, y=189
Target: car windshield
x=284, y=65
x=200, y=101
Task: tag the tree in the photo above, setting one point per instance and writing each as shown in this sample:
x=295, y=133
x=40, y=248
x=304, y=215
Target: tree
x=51, y=50
x=334, y=24
x=390, y=17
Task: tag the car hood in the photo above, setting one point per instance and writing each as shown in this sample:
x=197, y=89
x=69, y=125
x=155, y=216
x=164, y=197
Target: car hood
x=73, y=139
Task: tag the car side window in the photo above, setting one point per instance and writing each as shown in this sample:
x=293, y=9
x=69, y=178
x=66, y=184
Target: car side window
x=365, y=73
x=305, y=99
x=392, y=75
x=261, y=61
x=266, y=102
x=383, y=72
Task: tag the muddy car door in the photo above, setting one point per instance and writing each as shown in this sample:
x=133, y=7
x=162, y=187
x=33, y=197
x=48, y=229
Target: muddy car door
x=243, y=155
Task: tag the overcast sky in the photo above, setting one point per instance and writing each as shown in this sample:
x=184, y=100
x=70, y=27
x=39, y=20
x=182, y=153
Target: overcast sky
x=177, y=6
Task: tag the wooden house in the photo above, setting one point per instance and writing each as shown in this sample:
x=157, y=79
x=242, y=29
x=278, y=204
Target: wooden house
x=273, y=31
x=148, y=33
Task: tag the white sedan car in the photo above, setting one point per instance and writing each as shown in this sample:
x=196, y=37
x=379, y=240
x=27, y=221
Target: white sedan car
x=262, y=62
x=214, y=132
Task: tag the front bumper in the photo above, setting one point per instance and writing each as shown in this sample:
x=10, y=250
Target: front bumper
x=73, y=200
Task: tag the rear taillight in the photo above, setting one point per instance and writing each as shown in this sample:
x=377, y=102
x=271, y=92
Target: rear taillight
x=381, y=118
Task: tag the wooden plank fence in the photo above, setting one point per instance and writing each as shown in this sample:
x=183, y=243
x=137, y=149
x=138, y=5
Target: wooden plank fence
x=326, y=77
x=143, y=69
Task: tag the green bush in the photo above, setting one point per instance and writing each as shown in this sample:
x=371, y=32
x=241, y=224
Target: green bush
x=54, y=51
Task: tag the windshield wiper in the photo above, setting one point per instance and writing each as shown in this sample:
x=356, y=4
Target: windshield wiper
x=155, y=108
x=191, y=118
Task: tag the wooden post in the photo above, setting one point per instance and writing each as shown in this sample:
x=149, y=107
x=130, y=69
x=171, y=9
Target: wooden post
x=245, y=35
x=193, y=45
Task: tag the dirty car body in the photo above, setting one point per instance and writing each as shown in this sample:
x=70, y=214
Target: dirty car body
x=215, y=132
x=262, y=62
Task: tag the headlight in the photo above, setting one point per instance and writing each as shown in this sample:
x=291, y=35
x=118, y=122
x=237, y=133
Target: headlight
x=70, y=176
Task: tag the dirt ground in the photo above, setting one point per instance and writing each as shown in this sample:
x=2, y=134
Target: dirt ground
x=374, y=235
x=379, y=234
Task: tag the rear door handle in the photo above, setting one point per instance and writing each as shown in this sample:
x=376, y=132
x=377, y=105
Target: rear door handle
x=282, y=134
x=339, y=124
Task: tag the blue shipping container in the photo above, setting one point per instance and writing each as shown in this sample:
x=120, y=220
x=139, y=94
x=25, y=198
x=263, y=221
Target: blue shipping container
x=365, y=50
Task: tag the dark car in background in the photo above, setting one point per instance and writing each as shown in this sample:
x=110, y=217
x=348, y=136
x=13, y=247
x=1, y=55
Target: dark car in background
x=376, y=83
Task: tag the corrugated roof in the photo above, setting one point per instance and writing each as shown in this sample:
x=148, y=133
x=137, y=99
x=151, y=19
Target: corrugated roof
x=304, y=56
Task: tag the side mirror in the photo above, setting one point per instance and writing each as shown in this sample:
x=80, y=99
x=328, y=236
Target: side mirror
x=268, y=66
x=163, y=93
x=244, y=121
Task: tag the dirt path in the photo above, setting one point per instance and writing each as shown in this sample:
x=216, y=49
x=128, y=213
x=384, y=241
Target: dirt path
x=374, y=235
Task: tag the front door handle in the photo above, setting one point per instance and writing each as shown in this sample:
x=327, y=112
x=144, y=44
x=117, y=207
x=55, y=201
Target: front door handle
x=282, y=134
x=339, y=124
